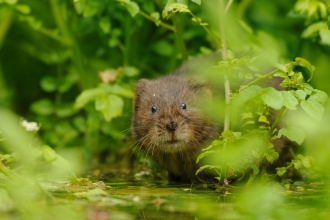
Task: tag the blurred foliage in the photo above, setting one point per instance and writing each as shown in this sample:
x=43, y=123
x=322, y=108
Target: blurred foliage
x=70, y=68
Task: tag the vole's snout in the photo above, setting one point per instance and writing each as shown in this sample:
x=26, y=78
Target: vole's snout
x=171, y=127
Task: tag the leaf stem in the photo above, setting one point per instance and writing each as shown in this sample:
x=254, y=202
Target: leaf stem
x=216, y=40
x=278, y=118
x=265, y=76
x=167, y=26
x=224, y=57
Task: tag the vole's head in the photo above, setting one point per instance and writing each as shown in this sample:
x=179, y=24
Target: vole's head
x=167, y=115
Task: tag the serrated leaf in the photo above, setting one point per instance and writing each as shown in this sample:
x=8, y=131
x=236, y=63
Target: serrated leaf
x=294, y=134
x=272, y=98
x=280, y=171
x=289, y=100
x=313, y=108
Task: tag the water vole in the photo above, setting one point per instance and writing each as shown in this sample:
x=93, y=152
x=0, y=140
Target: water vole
x=168, y=123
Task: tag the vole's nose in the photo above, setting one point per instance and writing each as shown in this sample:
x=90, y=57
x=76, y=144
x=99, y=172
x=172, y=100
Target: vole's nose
x=171, y=126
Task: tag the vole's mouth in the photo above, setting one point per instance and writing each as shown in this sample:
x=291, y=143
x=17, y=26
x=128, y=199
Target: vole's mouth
x=173, y=140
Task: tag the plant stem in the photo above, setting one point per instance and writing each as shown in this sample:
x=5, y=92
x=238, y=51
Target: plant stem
x=224, y=57
x=228, y=5
x=179, y=37
x=77, y=58
x=167, y=26
x=261, y=78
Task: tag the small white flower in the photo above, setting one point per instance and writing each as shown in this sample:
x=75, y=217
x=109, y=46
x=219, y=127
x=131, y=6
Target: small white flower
x=30, y=126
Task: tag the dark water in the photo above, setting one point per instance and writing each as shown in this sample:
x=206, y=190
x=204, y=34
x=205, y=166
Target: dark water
x=143, y=200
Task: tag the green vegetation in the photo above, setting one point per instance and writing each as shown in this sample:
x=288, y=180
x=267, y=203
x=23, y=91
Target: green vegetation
x=67, y=73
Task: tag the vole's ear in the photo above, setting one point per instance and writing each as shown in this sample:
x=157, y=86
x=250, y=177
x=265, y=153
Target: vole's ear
x=142, y=84
x=199, y=87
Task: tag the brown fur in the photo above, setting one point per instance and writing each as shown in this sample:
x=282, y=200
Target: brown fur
x=172, y=136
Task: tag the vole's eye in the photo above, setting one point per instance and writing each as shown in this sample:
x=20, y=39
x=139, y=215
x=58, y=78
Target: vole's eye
x=153, y=109
x=183, y=106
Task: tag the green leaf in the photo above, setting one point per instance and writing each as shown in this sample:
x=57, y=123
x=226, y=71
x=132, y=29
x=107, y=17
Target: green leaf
x=313, y=108
x=302, y=62
x=328, y=23
x=48, y=83
x=207, y=167
x=66, y=82
x=105, y=25
x=174, y=7
x=91, y=94
x=230, y=54
x=242, y=97
x=43, y=107
x=304, y=161
x=272, y=98
x=294, y=134
x=282, y=67
x=131, y=71
x=312, y=30
x=24, y=9
x=156, y=16
x=110, y=106
x=197, y=1
x=325, y=36
x=281, y=74
x=53, y=158
x=280, y=171
x=132, y=7
x=301, y=94
x=65, y=110
x=320, y=96
x=204, y=154
x=255, y=169
x=271, y=155
x=289, y=100
x=297, y=164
